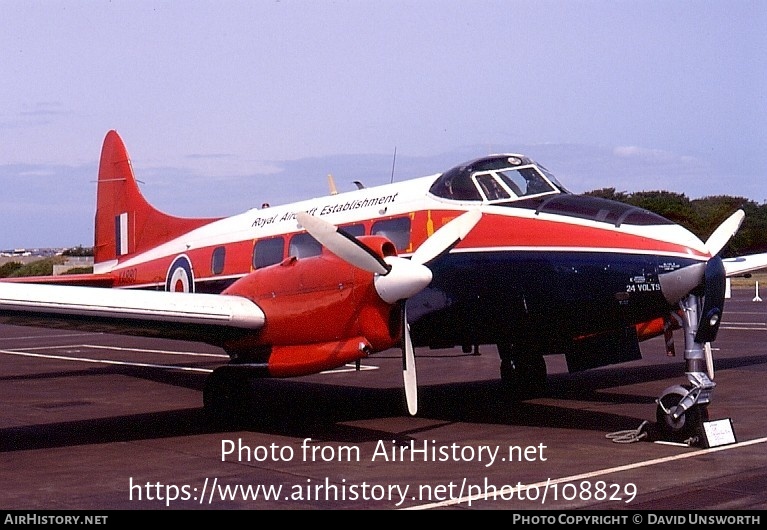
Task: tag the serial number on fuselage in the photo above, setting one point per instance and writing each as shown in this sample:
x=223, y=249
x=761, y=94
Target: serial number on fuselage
x=127, y=277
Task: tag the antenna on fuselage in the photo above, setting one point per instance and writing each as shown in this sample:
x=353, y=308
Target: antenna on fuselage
x=394, y=161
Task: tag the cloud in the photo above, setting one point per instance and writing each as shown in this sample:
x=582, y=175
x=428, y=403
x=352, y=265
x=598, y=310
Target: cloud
x=45, y=108
x=33, y=115
x=643, y=153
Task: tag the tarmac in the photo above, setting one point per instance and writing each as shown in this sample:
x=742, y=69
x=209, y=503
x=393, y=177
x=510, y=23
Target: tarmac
x=106, y=422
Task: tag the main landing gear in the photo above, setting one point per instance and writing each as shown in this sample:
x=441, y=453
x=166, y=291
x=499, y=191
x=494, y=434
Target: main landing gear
x=227, y=396
x=523, y=369
x=682, y=409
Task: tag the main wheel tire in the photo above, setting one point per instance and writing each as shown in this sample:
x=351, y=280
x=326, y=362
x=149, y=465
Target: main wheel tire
x=524, y=374
x=226, y=397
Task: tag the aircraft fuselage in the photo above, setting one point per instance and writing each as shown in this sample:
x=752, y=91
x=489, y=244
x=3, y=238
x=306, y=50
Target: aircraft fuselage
x=542, y=263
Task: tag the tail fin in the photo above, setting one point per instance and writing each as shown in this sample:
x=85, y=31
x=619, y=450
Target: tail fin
x=125, y=221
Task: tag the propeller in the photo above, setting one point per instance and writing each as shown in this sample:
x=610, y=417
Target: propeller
x=677, y=284
x=711, y=275
x=396, y=278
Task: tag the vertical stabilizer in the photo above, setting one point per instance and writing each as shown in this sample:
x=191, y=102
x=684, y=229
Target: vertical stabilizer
x=125, y=222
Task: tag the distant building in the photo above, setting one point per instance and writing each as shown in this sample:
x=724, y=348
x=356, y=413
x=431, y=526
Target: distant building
x=73, y=263
x=25, y=256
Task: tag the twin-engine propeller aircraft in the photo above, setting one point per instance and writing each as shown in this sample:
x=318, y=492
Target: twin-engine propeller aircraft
x=494, y=251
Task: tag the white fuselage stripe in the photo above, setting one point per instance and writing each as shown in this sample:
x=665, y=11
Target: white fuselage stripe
x=598, y=250
x=479, y=250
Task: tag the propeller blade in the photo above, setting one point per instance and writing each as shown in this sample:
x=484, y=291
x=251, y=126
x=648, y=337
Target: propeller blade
x=343, y=245
x=408, y=366
x=721, y=236
x=446, y=237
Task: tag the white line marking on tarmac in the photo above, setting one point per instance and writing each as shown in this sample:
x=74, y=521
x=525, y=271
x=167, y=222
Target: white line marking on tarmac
x=647, y=463
x=40, y=337
x=104, y=361
x=118, y=348
x=347, y=368
x=350, y=368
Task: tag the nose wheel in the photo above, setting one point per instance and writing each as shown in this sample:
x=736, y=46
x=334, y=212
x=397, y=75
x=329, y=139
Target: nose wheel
x=679, y=417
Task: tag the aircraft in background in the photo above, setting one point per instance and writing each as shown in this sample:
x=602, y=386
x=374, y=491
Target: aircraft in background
x=494, y=251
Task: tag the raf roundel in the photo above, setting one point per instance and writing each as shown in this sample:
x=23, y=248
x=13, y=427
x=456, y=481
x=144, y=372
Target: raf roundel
x=180, y=278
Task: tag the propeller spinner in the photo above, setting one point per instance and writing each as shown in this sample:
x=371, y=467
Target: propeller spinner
x=397, y=279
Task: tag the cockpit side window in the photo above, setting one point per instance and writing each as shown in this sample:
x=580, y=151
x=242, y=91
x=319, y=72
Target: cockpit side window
x=491, y=188
x=527, y=180
x=461, y=188
x=553, y=179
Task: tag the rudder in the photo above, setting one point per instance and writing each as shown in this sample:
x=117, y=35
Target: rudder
x=125, y=221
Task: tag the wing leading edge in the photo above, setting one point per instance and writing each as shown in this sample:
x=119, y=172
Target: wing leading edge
x=186, y=316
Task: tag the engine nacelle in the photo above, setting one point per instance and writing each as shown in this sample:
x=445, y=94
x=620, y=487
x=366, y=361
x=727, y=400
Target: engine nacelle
x=292, y=361
x=321, y=312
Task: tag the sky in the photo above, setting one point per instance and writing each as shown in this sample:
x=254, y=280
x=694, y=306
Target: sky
x=224, y=105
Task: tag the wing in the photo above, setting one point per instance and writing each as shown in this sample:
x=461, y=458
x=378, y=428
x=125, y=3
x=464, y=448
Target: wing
x=186, y=316
x=744, y=264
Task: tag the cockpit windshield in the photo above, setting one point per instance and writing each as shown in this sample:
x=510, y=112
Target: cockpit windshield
x=496, y=178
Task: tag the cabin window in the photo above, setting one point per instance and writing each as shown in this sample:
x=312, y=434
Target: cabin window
x=396, y=230
x=304, y=246
x=217, y=261
x=268, y=252
x=354, y=230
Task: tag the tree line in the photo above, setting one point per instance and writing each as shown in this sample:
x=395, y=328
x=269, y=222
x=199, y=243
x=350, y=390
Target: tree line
x=702, y=216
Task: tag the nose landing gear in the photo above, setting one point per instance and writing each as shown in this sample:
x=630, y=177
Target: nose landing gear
x=682, y=409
